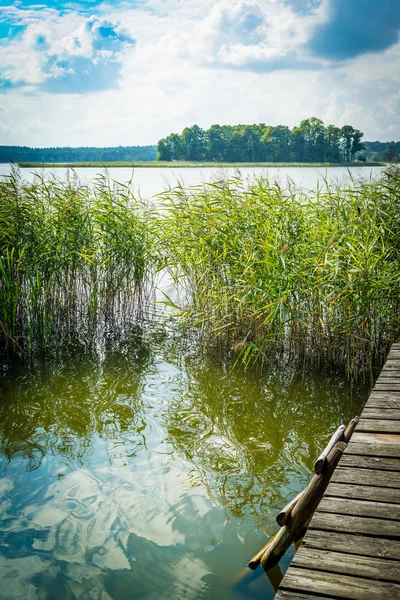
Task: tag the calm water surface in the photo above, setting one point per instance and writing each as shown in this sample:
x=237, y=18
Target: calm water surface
x=144, y=471
x=150, y=181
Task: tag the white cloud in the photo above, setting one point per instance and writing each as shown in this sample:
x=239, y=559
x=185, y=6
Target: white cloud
x=68, y=52
x=184, y=70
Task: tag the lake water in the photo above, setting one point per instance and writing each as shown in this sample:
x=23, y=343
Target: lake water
x=147, y=472
x=144, y=470
x=151, y=181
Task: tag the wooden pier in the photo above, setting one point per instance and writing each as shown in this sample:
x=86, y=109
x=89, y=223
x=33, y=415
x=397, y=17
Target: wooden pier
x=352, y=546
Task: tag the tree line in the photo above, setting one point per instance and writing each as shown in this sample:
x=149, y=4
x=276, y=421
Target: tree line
x=311, y=141
x=382, y=151
x=72, y=155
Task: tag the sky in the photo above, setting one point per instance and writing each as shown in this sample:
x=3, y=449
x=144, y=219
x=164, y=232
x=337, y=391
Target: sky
x=90, y=73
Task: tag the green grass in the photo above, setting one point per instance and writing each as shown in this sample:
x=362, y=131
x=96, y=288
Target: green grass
x=72, y=259
x=181, y=165
x=273, y=271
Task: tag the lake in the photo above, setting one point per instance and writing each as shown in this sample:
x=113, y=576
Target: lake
x=144, y=469
x=151, y=181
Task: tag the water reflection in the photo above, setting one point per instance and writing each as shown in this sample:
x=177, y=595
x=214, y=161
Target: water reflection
x=252, y=439
x=145, y=471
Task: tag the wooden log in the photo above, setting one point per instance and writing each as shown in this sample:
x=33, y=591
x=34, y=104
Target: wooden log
x=302, y=511
x=336, y=437
x=282, y=517
x=348, y=432
x=255, y=561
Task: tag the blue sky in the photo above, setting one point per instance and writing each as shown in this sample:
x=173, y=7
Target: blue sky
x=102, y=73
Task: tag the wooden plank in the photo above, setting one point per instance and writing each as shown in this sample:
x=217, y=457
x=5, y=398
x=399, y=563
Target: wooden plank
x=378, y=425
x=392, y=395
x=370, y=462
x=380, y=528
x=381, y=413
x=360, y=508
x=375, y=438
x=354, y=544
x=289, y=595
x=382, y=395
x=339, y=585
x=388, y=450
x=387, y=386
x=364, y=492
x=339, y=562
x=366, y=477
x=382, y=403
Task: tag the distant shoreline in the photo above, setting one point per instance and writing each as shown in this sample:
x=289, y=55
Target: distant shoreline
x=190, y=165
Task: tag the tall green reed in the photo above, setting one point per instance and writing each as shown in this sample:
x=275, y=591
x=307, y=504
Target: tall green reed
x=73, y=258
x=277, y=271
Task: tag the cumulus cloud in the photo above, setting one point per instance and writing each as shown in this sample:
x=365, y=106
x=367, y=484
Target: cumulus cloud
x=184, y=69
x=354, y=27
x=254, y=35
x=65, y=54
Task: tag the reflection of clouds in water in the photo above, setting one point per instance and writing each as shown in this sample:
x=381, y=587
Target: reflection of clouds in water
x=15, y=576
x=112, y=521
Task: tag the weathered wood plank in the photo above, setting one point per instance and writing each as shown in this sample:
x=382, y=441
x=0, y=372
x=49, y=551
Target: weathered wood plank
x=382, y=395
x=289, y=595
x=339, y=585
x=353, y=544
x=370, y=462
x=364, y=492
x=366, y=477
x=382, y=403
x=375, y=438
x=382, y=450
x=378, y=394
x=340, y=562
x=378, y=425
x=387, y=386
x=380, y=528
x=381, y=413
x=360, y=508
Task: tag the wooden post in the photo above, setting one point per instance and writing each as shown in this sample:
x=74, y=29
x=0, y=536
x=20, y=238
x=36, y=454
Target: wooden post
x=348, y=432
x=283, y=516
x=337, y=436
x=301, y=512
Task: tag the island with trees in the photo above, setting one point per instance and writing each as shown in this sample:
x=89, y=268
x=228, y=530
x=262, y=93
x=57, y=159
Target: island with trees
x=309, y=142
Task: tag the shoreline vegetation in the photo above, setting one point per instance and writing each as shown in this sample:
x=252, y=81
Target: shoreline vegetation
x=194, y=165
x=271, y=272
x=281, y=272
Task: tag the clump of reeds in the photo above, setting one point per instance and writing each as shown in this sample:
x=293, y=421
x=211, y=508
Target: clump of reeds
x=72, y=258
x=278, y=271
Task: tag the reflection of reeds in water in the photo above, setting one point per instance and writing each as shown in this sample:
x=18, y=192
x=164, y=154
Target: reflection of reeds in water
x=275, y=270
x=72, y=258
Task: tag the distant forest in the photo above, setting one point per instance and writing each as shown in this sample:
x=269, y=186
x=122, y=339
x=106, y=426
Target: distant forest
x=311, y=141
x=75, y=155
x=382, y=151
